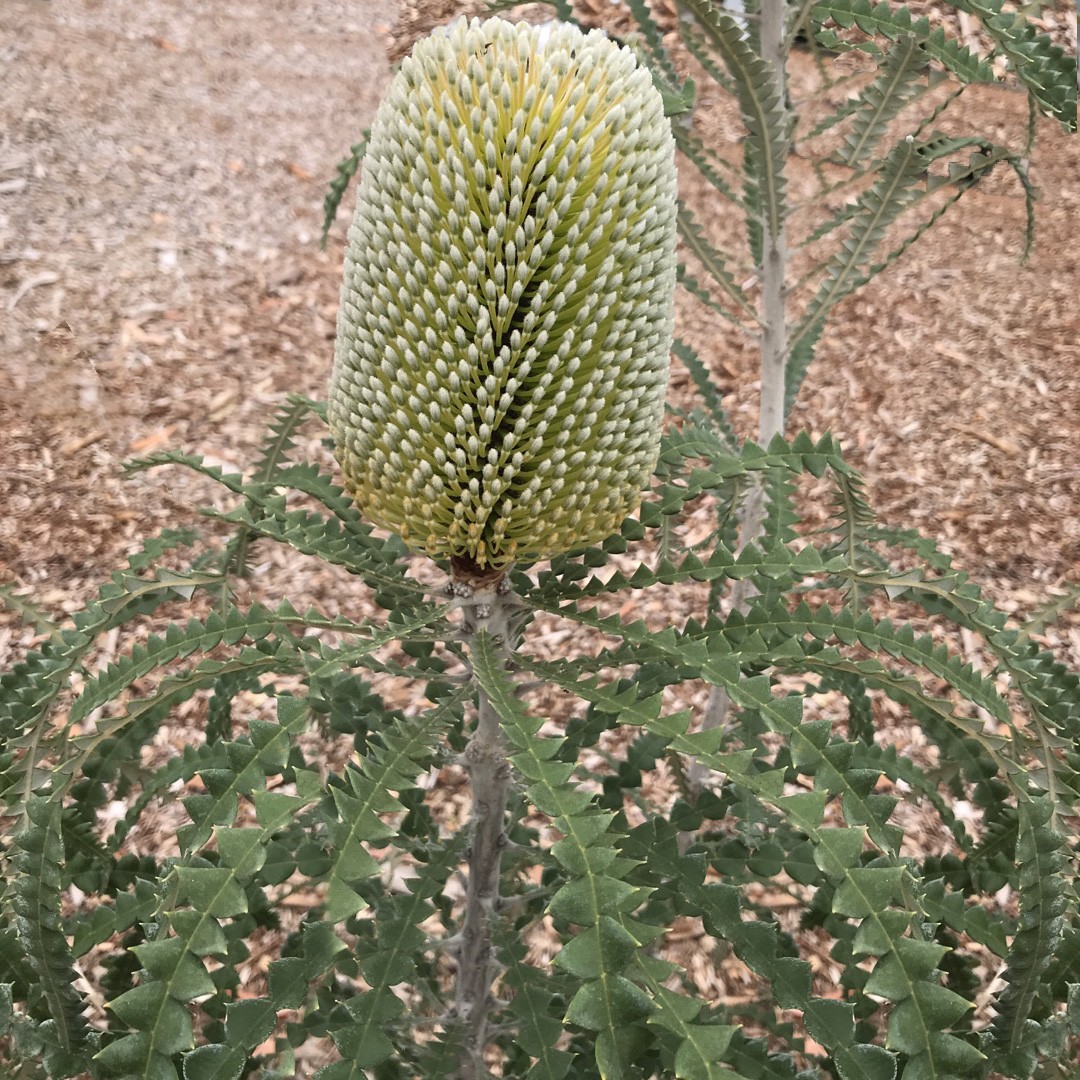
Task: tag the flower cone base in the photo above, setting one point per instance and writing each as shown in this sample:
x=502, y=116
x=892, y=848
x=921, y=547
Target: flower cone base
x=465, y=570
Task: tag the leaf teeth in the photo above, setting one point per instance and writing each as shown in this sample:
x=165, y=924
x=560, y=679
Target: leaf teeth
x=506, y=314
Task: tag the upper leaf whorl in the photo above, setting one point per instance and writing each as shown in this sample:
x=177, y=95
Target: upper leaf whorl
x=506, y=315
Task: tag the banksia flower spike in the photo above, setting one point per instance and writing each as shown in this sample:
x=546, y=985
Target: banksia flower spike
x=506, y=315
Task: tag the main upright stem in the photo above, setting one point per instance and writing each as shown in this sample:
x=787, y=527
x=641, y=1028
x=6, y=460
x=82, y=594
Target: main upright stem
x=773, y=270
x=774, y=328
x=774, y=356
x=488, y=608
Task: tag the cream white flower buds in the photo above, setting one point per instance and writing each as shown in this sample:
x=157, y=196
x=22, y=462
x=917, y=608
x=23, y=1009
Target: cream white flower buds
x=506, y=316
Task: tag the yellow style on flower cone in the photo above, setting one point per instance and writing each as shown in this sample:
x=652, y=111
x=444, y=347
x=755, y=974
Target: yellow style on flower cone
x=506, y=315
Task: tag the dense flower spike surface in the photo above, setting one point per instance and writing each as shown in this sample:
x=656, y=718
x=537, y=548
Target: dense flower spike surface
x=506, y=315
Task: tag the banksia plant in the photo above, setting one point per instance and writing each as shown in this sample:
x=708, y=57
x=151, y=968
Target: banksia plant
x=506, y=316
x=496, y=398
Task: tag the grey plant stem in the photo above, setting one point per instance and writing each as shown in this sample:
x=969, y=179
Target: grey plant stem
x=774, y=357
x=489, y=608
x=774, y=338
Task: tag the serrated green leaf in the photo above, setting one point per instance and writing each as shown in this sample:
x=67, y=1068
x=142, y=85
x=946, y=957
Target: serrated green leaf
x=806, y=810
x=363, y=1048
x=172, y=962
x=605, y=947
x=345, y=171
x=956, y=1054
x=150, y=1007
x=607, y=1003
x=716, y=265
x=930, y=1009
x=1045, y=69
x=269, y=750
x=321, y=945
x=195, y=934
x=140, y=1006
x=839, y=849
x=214, y=1062
x=585, y=900
x=832, y=1023
x=342, y=901
x=700, y=1053
x=755, y=84
x=864, y=1062
x=242, y=850
x=613, y=1054
x=577, y=857
x=881, y=935
x=288, y=981
x=250, y=1022
x=131, y=1055
x=212, y=890
x=867, y=890
x=1041, y=890
x=273, y=809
